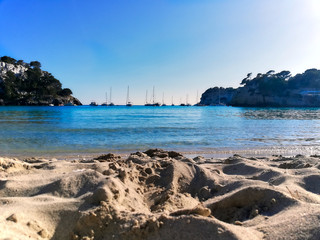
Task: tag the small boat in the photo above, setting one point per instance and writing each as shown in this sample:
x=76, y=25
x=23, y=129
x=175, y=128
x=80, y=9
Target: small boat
x=128, y=103
x=187, y=104
x=154, y=103
x=69, y=104
x=147, y=104
x=111, y=104
x=187, y=101
x=93, y=103
x=163, y=104
x=106, y=102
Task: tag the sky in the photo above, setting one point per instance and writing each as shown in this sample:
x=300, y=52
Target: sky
x=180, y=47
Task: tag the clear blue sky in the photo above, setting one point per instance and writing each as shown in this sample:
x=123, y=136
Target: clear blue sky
x=177, y=46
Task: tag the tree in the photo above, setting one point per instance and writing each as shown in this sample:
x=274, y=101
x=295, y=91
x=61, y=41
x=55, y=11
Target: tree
x=21, y=62
x=65, y=92
x=309, y=79
x=10, y=86
x=35, y=64
x=269, y=73
x=246, y=79
x=34, y=86
x=7, y=59
x=271, y=84
x=284, y=75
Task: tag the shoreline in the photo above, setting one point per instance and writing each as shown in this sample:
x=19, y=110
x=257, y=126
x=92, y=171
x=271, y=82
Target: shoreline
x=159, y=194
x=286, y=151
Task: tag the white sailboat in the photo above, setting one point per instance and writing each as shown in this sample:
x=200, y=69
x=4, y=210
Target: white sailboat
x=163, y=104
x=106, y=102
x=148, y=104
x=155, y=104
x=128, y=103
x=111, y=103
x=187, y=101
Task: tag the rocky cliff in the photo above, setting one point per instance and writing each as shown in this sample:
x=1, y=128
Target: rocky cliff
x=270, y=90
x=26, y=84
x=297, y=98
x=217, y=96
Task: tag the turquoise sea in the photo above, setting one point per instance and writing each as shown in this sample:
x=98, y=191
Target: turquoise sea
x=217, y=131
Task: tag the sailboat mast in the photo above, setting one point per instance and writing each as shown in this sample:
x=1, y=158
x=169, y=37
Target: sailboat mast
x=110, y=94
x=153, y=96
x=127, y=96
x=163, y=98
x=106, y=98
x=146, y=96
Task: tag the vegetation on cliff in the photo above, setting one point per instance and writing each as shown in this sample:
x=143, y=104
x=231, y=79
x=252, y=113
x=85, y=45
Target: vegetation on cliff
x=26, y=84
x=273, y=89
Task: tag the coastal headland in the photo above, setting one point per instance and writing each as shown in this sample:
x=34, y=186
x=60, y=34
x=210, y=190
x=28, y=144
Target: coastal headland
x=26, y=84
x=270, y=89
x=160, y=194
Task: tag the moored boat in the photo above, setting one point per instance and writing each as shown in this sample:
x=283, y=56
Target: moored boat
x=128, y=102
x=93, y=103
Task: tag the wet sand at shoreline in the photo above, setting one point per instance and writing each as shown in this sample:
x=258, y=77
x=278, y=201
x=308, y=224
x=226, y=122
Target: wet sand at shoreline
x=207, y=153
x=160, y=194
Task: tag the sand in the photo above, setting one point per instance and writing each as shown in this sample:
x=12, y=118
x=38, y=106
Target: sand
x=160, y=195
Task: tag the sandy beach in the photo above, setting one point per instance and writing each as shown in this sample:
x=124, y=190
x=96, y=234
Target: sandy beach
x=160, y=194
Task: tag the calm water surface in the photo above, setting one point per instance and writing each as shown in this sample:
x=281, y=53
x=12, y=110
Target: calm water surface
x=213, y=130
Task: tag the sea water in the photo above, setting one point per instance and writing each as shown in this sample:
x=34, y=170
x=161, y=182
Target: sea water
x=37, y=131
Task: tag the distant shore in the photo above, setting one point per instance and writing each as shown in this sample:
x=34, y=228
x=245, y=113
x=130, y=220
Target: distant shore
x=160, y=194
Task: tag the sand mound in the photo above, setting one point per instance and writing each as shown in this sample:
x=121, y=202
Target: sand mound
x=311, y=183
x=159, y=195
x=248, y=203
x=12, y=165
x=297, y=162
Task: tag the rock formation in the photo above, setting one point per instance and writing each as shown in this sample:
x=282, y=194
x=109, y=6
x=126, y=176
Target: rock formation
x=26, y=84
x=270, y=90
x=217, y=96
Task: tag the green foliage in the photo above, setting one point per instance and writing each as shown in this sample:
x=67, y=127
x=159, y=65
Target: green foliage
x=35, y=64
x=10, y=86
x=65, y=92
x=309, y=79
x=272, y=83
x=41, y=83
x=7, y=59
x=268, y=84
x=246, y=79
x=33, y=86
